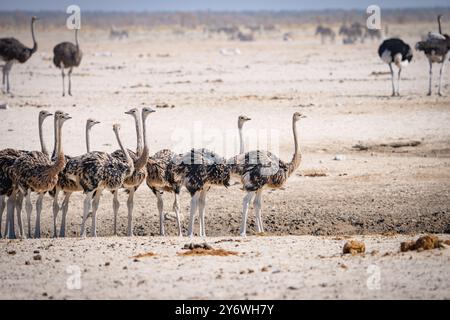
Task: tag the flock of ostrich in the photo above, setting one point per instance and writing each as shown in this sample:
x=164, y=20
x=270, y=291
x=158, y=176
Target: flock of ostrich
x=24, y=172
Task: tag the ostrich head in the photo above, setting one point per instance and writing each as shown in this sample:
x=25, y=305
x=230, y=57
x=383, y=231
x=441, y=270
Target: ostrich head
x=34, y=18
x=116, y=127
x=91, y=122
x=44, y=114
x=63, y=117
x=146, y=111
x=132, y=112
x=242, y=120
x=297, y=116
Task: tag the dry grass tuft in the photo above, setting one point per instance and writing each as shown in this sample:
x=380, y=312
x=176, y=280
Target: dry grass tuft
x=144, y=255
x=208, y=252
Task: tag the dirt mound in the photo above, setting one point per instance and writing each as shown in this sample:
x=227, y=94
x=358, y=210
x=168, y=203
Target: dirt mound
x=144, y=255
x=204, y=249
x=427, y=242
x=353, y=247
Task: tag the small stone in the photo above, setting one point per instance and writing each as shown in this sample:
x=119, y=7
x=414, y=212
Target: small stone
x=37, y=257
x=27, y=263
x=12, y=252
x=107, y=264
x=264, y=269
x=36, y=251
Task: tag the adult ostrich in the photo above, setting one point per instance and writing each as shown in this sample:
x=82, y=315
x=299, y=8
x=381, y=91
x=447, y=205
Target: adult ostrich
x=436, y=47
x=67, y=55
x=12, y=50
x=395, y=51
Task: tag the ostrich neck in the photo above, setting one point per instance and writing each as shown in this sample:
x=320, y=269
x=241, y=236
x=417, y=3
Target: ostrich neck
x=241, y=140
x=41, y=137
x=60, y=161
x=88, y=142
x=125, y=152
x=439, y=24
x=34, y=49
x=138, y=135
x=76, y=39
x=56, y=138
x=142, y=160
x=297, y=157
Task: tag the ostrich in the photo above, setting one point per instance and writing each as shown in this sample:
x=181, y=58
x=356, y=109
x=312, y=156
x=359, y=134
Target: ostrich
x=68, y=183
x=259, y=169
x=133, y=182
x=67, y=55
x=372, y=34
x=98, y=171
x=325, y=32
x=395, y=51
x=200, y=169
x=12, y=50
x=37, y=174
x=436, y=47
x=7, y=158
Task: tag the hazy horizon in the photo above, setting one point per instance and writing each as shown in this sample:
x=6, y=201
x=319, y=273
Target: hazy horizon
x=230, y=5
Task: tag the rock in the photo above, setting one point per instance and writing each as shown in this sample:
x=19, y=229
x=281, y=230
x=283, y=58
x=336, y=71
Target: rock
x=353, y=247
x=423, y=243
x=12, y=252
x=4, y=106
x=339, y=157
x=37, y=257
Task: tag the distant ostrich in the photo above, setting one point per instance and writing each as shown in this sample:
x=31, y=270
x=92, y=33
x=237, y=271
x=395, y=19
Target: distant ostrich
x=40, y=175
x=12, y=50
x=352, y=33
x=259, y=169
x=7, y=158
x=68, y=182
x=133, y=182
x=324, y=33
x=67, y=55
x=117, y=34
x=200, y=169
x=372, y=34
x=436, y=47
x=395, y=51
x=98, y=171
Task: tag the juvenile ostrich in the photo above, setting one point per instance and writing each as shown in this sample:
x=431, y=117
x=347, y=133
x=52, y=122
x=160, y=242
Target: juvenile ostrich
x=7, y=158
x=436, y=47
x=232, y=162
x=37, y=174
x=12, y=50
x=68, y=182
x=133, y=182
x=99, y=171
x=200, y=169
x=395, y=51
x=259, y=169
x=324, y=33
x=67, y=55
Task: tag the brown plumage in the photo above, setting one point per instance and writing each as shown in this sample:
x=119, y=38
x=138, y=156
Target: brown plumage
x=37, y=174
x=199, y=169
x=98, y=171
x=259, y=169
x=67, y=55
x=139, y=174
x=69, y=183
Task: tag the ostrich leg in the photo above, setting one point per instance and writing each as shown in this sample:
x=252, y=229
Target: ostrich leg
x=70, y=81
x=431, y=77
x=95, y=203
x=63, y=75
x=176, y=209
x=130, y=205
x=10, y=205
x=194, y=204
x=55, y=211
x=8, y=67
x=160, y=205
x=19, y=200
x=201, y=211
x=116, y=205
x=392, y=78
x=440, y=75
x=86, y=207
x=65, y=208
x=257, y=207
x=28, y=209
x=2, y=208
x=37, y=230
x=246, y=203
x=398, y=81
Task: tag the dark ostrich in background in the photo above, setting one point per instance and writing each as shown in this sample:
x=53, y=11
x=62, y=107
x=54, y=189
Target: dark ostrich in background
x=67, y=55
x=398, y=52
x=12, y=50
x=436, y=47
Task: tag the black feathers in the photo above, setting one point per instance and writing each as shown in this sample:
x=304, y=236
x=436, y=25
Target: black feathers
x=391, y=48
